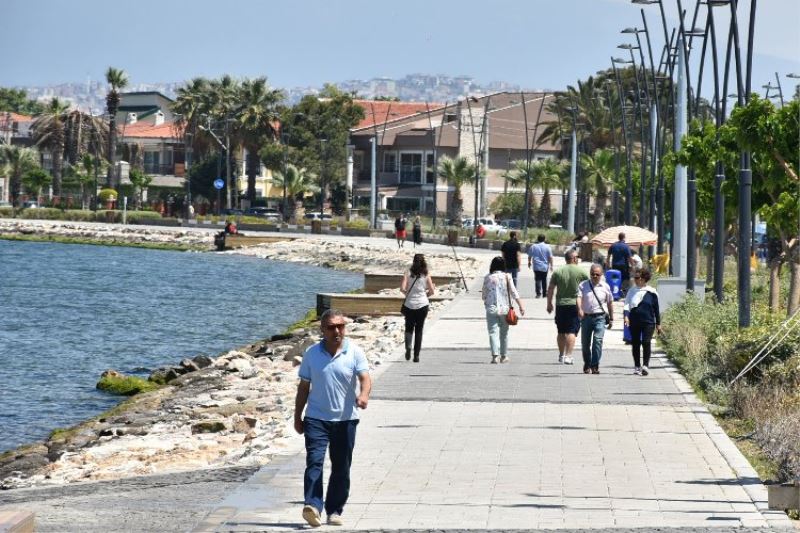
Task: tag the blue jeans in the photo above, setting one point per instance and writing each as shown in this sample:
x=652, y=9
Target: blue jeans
x=514, y=272
x=498, y=333
x=341, y=437
x=592, y=330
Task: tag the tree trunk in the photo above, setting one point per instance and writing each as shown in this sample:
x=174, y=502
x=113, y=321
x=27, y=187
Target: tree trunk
x=112, y=148
x=253, y=164
x=794, y=280
x=600, y=211
x=544, y=209
x=775, y=265
x=58, y=165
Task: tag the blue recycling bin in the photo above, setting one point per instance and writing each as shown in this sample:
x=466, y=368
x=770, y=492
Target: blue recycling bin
x=614, y=280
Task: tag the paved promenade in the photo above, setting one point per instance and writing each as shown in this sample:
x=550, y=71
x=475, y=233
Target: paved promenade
x=456, y=443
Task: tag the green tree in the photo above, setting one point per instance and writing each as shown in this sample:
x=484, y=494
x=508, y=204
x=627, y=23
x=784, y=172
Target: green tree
x=548, y=174
x=15, y=161
x=598, y=173
x=35, y=179
x=49, y=133
x=140, y=182
x=17, y=101
x=117, y=79
x=298, y=182
x=457, y=172
x=83, y=176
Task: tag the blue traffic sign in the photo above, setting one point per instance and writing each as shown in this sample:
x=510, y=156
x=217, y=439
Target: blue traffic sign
x=219, y=183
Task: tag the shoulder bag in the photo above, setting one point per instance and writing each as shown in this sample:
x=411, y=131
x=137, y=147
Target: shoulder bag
x=403, y=307
x=511, y=316
x=605, y=315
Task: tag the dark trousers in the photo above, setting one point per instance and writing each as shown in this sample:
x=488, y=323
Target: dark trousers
x=415, y=321
x=641, y=335
x=340, y=437
x=540, y=282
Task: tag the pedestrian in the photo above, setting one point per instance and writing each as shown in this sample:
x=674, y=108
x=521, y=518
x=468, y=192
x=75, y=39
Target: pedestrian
x=594, y=297
x=512, y=252
x=540, y=258
x=620, y=257
x=328, y=392
x=498, y=291
x=644, y=317
x=400, y=229
x=417, y=285
x=417, y=231
x=564, y=282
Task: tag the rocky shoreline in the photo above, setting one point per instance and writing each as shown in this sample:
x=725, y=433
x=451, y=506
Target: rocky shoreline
x=233, y=410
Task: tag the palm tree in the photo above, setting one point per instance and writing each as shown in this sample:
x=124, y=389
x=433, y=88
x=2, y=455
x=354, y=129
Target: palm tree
x=118, y=80
x=522, y=173
x=15, y=161
x=256, y=122
x=598, y=172
x=456, y=172
x=192, y=108
x=48, y=131
x=297, y=182
x=547, y=174
x=83, y=174
x=35, y=179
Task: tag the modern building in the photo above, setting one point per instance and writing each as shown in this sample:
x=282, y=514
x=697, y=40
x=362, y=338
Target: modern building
x=492, y=131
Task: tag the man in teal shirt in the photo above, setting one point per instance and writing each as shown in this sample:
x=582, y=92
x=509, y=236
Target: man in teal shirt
x=565, y=281
x=327, y=391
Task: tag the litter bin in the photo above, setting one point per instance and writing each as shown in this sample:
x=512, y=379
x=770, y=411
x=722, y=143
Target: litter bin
x=316, y=226
x=452, y=237
x=614, y=280
x=586, y=251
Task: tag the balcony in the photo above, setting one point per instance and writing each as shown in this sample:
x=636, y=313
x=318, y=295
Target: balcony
x=175, y=169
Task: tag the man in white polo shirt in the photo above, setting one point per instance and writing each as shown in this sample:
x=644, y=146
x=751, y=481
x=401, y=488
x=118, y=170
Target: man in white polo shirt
x=327, y=391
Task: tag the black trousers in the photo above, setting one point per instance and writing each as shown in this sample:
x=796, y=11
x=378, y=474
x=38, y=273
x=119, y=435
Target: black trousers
x=415, y=321
x=540, y=282
x=642, y=335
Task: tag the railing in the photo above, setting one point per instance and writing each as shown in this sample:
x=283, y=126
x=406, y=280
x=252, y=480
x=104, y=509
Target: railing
x=164, y=170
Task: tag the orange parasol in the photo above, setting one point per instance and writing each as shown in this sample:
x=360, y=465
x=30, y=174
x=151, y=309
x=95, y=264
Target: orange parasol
x=634, y=236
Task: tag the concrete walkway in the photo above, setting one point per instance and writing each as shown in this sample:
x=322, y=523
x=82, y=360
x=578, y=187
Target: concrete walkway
x=456, y=443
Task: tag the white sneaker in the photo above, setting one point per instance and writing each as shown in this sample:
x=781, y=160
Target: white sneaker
x=645, y=371
x=560, y=358
x=335, y=519
x=568, y=360
x=311, y=515
x=637, y=371
x=494, y=359
x=504, y=359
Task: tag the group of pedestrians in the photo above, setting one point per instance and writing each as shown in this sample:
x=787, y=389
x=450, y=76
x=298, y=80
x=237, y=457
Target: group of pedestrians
x=400, y=223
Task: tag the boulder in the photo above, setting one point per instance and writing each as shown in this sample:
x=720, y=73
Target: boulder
x=189, y=366
x=299, y=349
x=202, y=361
x=208, y=426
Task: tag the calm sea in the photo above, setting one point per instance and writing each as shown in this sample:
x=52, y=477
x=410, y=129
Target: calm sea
x=69, y=312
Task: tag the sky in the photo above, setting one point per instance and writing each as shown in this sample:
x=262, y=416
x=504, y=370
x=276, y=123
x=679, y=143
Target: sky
x=542, y=44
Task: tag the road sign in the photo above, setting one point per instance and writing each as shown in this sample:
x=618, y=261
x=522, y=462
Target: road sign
x=219, y=183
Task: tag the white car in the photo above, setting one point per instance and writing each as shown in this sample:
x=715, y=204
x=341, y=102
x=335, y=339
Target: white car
x=489, y=225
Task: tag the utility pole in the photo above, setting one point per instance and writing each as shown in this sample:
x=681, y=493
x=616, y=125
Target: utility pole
x=680, y=214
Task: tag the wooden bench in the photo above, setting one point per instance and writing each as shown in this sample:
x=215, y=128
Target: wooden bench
x=240, y=241
x=376, y=282
x=363, y=304
x=16, y=521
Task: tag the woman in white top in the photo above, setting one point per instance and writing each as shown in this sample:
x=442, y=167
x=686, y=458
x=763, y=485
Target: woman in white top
x=498, y=289
x=417, y=286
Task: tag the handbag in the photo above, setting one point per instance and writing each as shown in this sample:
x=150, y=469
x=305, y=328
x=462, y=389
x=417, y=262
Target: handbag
x=403, y=307
x=606, y=316
x=511, y=316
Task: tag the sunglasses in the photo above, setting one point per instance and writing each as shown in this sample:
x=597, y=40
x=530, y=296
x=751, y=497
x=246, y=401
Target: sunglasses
x=637, y=277
x=331, y=327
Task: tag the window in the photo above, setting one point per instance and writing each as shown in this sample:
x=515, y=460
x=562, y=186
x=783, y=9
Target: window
x=152, y=162
x=47, y=161
x=429, y=170
x=390, y=162
x=449, y=117
x=410, y=168
x=406, y=205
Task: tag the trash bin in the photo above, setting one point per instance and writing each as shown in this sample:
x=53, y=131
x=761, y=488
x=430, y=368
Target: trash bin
x=452, y=237
x=614, y=280
x=586, y=251
x=316, y=226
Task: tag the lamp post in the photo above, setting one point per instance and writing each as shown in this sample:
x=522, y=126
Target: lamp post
x=285, y=141
x=642, y=136
x=629, y=177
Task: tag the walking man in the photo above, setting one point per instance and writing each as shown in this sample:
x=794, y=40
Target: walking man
x=512, y=251
x=565, y=281
x=620, y=257
x=593, y=299
x=327, y=391
x=540, y=258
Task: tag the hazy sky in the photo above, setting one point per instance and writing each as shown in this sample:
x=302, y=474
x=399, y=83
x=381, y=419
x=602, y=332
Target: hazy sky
x=534, y=43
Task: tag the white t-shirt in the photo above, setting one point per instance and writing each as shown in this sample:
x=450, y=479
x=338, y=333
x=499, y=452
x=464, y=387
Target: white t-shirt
x=416, y=297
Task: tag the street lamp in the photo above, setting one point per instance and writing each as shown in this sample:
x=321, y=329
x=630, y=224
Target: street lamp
x=629, y=177
x=643, y=140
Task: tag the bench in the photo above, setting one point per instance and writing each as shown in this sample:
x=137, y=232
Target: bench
x=363, y=304
x=16, y=522
x=376, y=282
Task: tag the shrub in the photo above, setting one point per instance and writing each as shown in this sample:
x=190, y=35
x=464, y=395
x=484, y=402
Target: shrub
x=78, y=215
x=7, y=212
x=42, y=213
x=107, y=195
x=138, y=217
x=358, y=223
x=125, y=385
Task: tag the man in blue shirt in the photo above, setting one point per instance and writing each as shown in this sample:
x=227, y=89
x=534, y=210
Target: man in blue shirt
x=620, y=257
x=327, y=391
x=540, y=258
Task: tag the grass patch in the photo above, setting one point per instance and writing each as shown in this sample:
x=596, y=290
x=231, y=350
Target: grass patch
x=125, y=385
x=741, y=431
x=307, y=321
x=101, y=242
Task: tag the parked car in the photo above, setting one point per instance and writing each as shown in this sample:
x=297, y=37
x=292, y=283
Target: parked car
x=489, y=225
x=268, y=213
x=511, y=223
x=233, y=212
x=30, y=204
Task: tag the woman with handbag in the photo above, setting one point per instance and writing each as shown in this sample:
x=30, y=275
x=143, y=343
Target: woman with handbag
x=498, y=292
x=644, y=317
x=417, y=286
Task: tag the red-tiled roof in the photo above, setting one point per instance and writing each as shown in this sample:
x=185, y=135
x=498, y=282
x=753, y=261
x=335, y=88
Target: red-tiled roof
x=15, y=117
x=167, y=130
x=380, y=111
